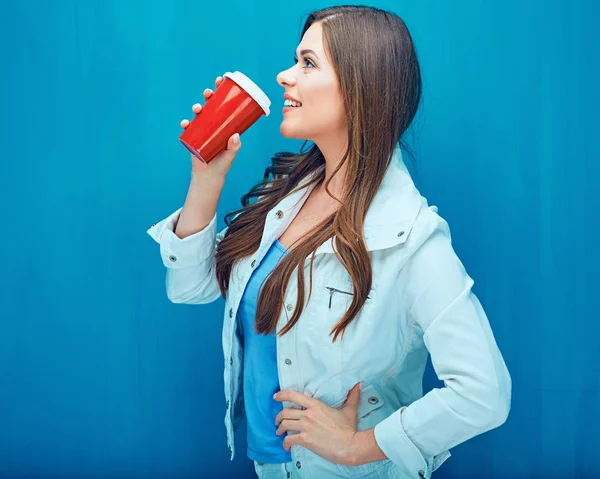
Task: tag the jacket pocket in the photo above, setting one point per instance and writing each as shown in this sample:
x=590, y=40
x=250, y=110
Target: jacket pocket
x=369, y=409
x=333, y=290
x=343, y=296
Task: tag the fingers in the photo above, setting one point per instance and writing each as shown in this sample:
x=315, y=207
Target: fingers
x=197, y=107
x=208, y=92
x=288, y=413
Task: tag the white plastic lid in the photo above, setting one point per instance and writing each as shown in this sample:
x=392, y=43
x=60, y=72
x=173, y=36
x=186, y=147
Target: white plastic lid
x=252, y=88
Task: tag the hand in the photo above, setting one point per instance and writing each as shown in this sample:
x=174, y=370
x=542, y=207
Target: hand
x=220, y=165
x=326, y=431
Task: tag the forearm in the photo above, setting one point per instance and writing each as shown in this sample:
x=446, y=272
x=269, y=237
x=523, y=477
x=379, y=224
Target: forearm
x=200, y=205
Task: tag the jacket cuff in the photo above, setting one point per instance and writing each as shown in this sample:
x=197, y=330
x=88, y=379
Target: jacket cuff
x=180, y=253
x=396, y=445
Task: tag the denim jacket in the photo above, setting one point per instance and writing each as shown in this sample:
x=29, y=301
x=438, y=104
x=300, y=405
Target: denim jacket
x=421, y=302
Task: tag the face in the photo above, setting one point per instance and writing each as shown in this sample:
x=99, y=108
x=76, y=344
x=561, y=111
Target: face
x=312, y=82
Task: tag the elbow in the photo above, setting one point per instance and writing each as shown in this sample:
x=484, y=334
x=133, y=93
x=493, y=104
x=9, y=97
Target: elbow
x=200, y=295
x=174, y=298
x=191, y=289
x=190, y=297
x=499, y=414
x=499, y=404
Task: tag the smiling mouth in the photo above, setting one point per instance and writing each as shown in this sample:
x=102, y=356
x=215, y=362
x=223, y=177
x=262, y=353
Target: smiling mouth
x=287, y=109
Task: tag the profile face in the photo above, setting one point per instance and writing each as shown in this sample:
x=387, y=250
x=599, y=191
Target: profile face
x=313, y=82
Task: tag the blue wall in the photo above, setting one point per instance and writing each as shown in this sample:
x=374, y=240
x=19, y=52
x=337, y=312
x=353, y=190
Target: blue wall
x=100, y=375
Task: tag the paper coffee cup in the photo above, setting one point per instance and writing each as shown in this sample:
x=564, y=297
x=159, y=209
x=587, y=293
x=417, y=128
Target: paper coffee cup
x=234, y=107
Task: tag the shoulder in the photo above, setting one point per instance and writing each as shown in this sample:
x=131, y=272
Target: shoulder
x=430, y=234
x=432, y=263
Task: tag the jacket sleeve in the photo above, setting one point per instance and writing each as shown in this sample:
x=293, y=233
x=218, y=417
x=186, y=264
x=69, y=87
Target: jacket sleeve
x=476, y=395
x=190, y=262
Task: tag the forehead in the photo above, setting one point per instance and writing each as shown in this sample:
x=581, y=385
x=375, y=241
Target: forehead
x=313, y=39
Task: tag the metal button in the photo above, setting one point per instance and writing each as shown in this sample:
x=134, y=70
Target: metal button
x=289, y=307
x=229, y=448
x=230, y=360
x=288, y=474
x=253, y=263
x=401, y=233
x=288, y=362
x=298, y=464
x=173, y=258
x=231, y=312
x=421, y=474
x=227, y=404
x=373, y=400
x=279, y=214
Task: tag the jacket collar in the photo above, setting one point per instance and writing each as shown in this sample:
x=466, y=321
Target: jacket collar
x=388, y=221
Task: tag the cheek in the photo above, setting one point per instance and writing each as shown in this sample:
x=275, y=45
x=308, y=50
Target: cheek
x=328, y=104
x=327, y=114
x=325, y=106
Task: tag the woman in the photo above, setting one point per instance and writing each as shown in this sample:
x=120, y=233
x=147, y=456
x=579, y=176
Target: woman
x=340, y=276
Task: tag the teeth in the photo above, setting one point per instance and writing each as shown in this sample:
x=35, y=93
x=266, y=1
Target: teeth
x=292, y=103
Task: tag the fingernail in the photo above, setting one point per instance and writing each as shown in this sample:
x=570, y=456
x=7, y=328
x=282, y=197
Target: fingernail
x=236, y=139
x=360, y=386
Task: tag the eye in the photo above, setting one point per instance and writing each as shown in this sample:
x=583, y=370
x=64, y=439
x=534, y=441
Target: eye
x=306, y=60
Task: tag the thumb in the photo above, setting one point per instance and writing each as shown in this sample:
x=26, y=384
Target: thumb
x=234, y=143
x=227, y=156
x=353, y=396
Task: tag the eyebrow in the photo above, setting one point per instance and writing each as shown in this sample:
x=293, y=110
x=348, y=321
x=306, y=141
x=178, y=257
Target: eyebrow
x=305, y=51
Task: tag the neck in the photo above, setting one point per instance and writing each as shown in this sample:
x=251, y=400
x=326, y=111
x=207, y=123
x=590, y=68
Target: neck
x=333, y=149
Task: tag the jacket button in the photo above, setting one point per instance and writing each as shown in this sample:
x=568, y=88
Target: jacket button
x=229, y=448
x=289, y=307
x=279, y=214
x=253, y=263
x=227, y=404
x=173, y=258
x=421, y=474
x=401, y=233
x=230, y=360
x=298, y=464
x=288, y=362
x=231, y=312
x=373, y=400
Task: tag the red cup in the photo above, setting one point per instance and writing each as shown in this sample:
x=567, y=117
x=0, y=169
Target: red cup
x=234, y=107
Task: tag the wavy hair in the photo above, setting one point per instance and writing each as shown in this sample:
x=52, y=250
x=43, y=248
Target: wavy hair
x=374, y=57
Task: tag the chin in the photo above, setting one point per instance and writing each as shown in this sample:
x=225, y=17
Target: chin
x=288, y=132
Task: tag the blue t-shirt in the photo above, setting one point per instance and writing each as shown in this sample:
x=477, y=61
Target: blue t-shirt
x=261, y=379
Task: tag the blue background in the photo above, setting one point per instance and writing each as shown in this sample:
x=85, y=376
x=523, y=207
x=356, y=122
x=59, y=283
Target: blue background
x=100, y=375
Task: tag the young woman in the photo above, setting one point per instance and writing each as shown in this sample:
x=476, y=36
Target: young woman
x=339, y=279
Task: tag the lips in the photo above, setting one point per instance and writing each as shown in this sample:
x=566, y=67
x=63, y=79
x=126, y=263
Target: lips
x=287, y=96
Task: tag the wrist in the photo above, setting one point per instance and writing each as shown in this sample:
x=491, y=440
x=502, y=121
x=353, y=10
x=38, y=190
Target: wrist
x=364, y=449
x=208, y=181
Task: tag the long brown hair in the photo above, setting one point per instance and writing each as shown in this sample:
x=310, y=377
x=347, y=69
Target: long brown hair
x=375, y=60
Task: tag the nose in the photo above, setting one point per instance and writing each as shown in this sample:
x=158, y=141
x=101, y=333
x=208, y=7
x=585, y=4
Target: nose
x=286, y=78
